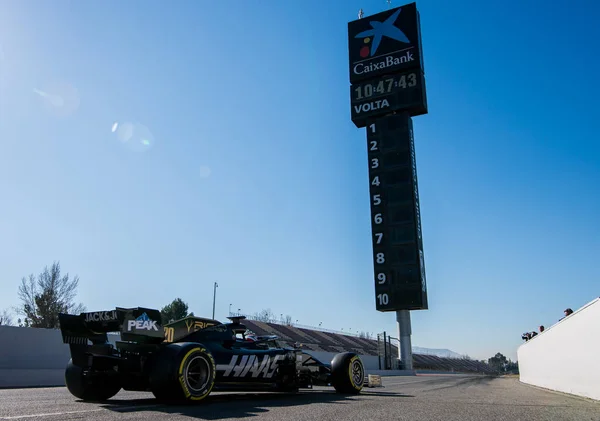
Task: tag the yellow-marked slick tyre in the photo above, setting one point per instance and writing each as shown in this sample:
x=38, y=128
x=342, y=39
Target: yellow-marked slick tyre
x=95, y=388
x=182, y=372
x=347, y=373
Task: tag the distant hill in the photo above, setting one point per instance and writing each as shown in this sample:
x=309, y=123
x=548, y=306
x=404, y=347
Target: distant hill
x=443, y=353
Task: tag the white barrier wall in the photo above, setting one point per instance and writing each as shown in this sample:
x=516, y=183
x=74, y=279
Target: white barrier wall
x=32, y=357
x=566, y=356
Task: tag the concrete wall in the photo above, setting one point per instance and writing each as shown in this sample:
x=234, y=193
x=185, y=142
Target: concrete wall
x=31, y=357
x=566, y=356
x=37, y=357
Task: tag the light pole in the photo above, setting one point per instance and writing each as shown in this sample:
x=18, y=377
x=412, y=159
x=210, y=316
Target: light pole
x=229, y=309
x=214, y=298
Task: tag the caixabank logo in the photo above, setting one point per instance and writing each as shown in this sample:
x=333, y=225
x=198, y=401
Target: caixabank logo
x=384, y=43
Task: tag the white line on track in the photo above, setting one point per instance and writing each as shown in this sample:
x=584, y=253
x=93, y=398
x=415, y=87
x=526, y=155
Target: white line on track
x=50, y=414
x=19, y=417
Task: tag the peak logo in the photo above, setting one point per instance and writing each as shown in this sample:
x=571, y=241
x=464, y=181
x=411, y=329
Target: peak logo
x=143, y=322
x=384, y=43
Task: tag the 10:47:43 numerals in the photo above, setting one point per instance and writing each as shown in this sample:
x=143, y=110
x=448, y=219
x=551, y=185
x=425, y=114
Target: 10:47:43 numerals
x=385, y=86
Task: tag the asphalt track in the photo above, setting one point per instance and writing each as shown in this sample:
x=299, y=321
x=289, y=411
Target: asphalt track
x=427, y=398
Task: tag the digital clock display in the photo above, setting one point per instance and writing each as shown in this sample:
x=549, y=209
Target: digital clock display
x=384, y=86
x=386, y=95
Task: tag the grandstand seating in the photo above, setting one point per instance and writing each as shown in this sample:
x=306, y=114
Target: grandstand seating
x=313, y=339
x=433, y=362
x=317, y=340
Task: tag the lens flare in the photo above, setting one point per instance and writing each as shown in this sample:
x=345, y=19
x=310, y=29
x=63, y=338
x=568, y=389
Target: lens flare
x=59, y=99
x=135, y=136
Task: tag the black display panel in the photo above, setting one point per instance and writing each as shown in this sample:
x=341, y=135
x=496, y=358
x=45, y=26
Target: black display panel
x=384, y=95
x=384, y=43
x=398, y=258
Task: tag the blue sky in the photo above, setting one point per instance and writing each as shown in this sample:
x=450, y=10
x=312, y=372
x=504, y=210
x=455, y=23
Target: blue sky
x=254, y=176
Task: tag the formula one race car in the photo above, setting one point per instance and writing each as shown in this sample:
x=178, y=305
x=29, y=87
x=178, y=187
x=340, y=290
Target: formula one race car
x=187, y=359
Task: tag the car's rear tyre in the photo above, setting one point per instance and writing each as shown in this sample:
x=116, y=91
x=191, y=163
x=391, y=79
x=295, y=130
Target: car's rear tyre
x=347, y=373
x=182, y=372
x=95, y=388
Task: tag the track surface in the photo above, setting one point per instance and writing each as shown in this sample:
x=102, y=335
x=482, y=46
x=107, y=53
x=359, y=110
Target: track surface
x=427, y=398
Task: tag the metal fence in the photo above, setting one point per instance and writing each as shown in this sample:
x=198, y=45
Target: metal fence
x=388, y=352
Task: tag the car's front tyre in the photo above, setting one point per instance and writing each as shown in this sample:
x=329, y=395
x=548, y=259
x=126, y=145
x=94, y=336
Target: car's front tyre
x=347, y=373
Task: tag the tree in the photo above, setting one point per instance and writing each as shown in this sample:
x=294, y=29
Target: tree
x=265, y=316
x=44, y=298
x=498, y=362
x=177, y=310
x=6, y=318
x=288, y=320
x=512, y=366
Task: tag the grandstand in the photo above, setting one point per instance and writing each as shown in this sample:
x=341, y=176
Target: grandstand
x=321, y=340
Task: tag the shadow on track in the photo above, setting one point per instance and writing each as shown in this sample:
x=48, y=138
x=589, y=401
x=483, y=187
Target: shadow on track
x=447, y=382
x=240, y=405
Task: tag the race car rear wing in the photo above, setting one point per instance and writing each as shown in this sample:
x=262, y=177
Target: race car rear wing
x=141, y=325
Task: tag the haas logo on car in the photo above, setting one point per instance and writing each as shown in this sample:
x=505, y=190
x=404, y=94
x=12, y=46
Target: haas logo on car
x=143, y=322
x=250, y=364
